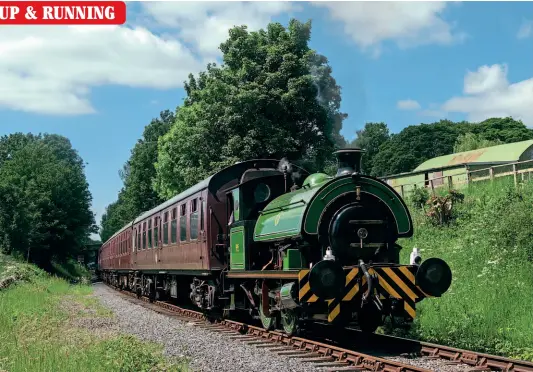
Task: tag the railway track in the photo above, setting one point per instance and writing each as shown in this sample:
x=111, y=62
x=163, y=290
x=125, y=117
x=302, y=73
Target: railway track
x=336, y=356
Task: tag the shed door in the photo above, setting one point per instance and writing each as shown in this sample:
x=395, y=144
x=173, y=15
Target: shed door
x=438, y=180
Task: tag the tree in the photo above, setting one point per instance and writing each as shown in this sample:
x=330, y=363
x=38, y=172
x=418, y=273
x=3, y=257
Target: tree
x=138, y=191
x=470, y=141
x=506, y=130
x=273, y=97
x=44, y=199
x=418, y=143
x=414, y=145
x=114, y=217
x=370, y=139
x=137, y=195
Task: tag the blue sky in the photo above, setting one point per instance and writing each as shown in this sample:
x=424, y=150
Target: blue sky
x=401, y=63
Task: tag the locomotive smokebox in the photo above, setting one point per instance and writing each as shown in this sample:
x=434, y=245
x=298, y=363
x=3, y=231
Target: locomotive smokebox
x=348, y=161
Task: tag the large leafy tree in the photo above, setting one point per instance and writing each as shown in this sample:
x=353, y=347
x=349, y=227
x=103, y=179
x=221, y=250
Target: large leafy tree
x=139, y=171
x=413, y=145
x=137, y=195
x=370, y=138
x=505, y=130
x=273, y=97
x=44, y=198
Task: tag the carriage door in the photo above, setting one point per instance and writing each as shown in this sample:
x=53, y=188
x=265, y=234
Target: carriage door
x=202, y=234
x=197, y=255
x=135, y=239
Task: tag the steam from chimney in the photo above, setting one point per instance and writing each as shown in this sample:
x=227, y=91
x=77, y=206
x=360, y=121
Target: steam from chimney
x=285, y=166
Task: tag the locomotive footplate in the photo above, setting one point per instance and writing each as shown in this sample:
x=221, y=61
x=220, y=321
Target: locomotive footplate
x=389, y=282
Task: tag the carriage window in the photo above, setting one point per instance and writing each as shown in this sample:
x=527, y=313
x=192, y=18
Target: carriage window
x=183, y=223
x=138, y=237
x=194, y=219
x=156, y=231
x=165, y=228
x=144, y=235
x=149, y=233
x=173, y=227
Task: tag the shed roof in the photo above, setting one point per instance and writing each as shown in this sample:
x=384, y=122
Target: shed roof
x=509, y=152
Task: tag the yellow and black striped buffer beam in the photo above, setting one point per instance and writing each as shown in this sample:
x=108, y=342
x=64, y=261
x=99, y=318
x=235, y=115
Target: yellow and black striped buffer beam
x=305, y=294
x=393, y=281
x=399, y=282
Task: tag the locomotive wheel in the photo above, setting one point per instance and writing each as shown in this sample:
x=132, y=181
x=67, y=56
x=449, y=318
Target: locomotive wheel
x=289, y=322
x=268, y=322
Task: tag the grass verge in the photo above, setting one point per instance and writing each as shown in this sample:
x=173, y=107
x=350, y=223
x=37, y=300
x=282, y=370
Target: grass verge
x=47, y=324
x=489, y=247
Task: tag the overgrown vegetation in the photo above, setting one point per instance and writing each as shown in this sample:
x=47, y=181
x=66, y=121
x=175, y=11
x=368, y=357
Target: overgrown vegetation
x=489, y=247
x=441, y=208
x=42, y=328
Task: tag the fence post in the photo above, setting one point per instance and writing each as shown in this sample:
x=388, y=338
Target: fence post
x=468, y=177
x=515, y=175
x=450, y=182
x=432, y=187
x=491, y=172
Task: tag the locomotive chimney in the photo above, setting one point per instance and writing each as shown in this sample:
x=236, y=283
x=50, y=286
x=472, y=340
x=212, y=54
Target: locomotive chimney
x=348, y=161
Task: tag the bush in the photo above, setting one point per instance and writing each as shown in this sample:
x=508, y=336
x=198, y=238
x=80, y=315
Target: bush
x=419, y=196
x=441, y=211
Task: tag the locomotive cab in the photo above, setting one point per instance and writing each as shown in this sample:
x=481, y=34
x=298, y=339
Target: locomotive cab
x=256, y=189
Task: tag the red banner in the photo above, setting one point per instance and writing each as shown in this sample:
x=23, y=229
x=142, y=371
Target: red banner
x=62, y=12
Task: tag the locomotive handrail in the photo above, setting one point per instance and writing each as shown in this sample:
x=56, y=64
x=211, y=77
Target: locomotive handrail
x=280, y=208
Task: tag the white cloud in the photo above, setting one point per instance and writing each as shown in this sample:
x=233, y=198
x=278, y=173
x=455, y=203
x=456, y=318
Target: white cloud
x=407, y=24
x=205, y=24
x=488, y=93
x=408, y=104
x=526, y=30
x=51, y=70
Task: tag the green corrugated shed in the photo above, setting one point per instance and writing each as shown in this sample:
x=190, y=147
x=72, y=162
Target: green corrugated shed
x=507, y=153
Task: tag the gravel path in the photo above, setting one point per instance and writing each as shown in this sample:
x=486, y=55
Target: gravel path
x=207, y=350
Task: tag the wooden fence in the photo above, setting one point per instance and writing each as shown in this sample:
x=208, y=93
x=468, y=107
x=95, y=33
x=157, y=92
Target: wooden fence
x=521, y=171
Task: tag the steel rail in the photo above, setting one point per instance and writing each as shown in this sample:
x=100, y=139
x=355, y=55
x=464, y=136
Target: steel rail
x=479, y=361
x=354, y=360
